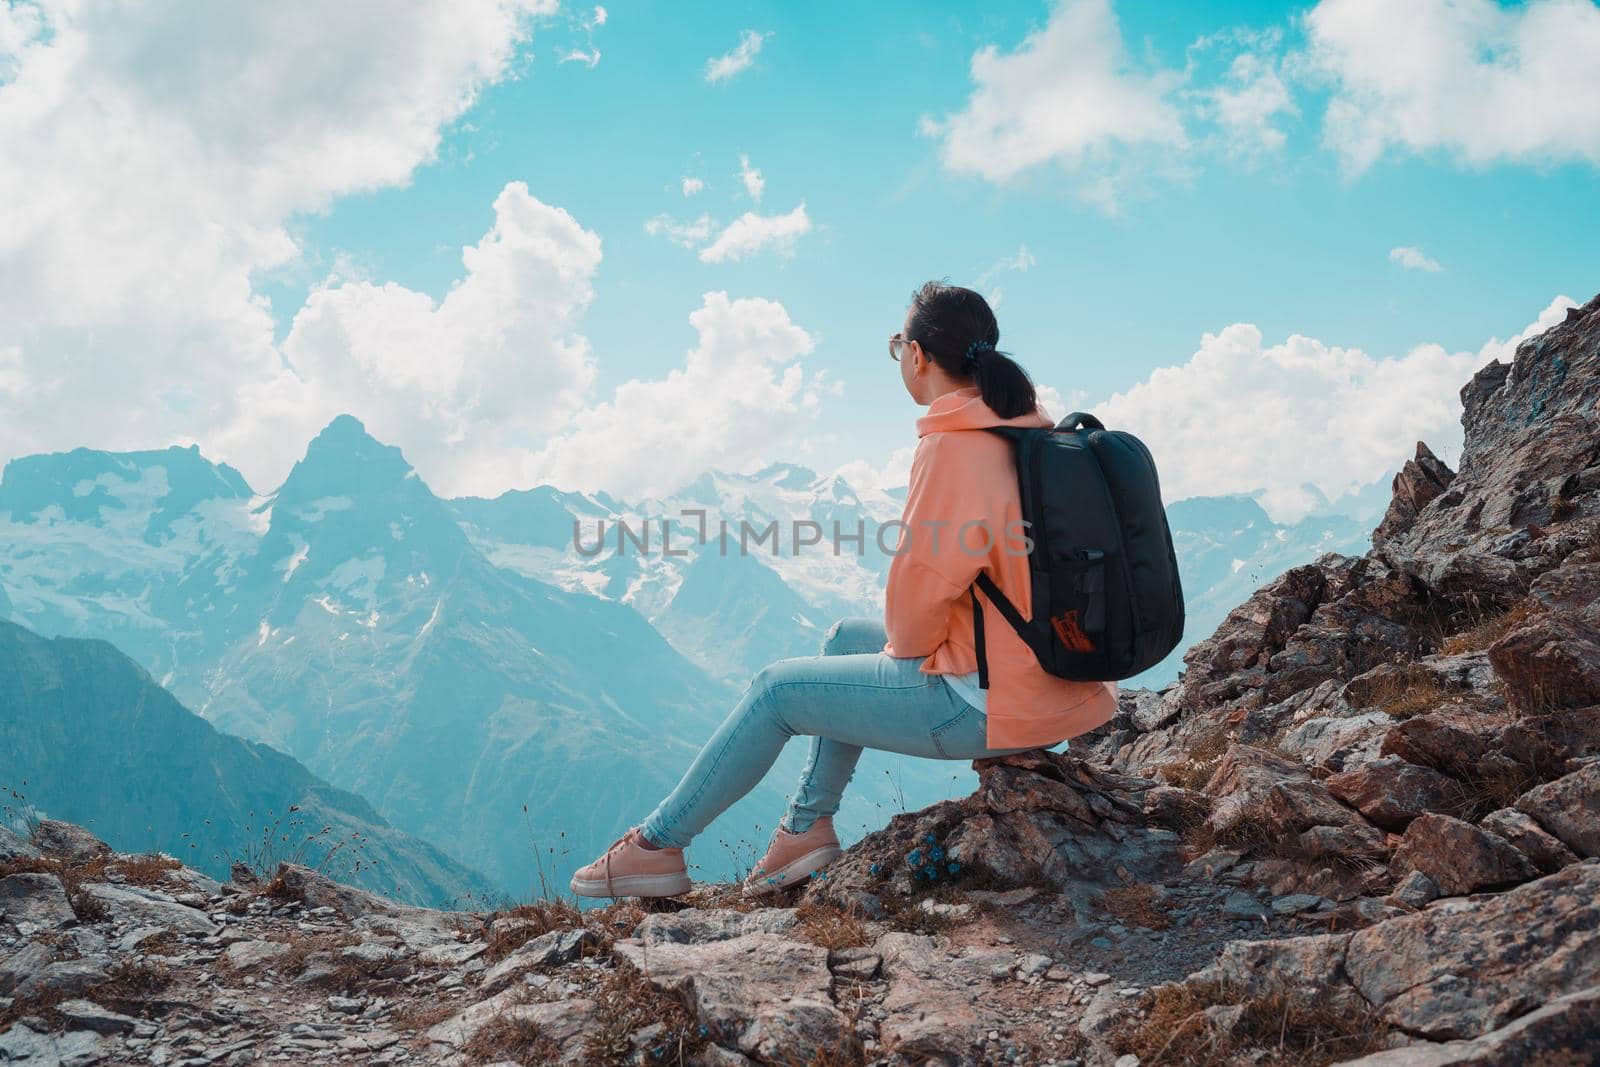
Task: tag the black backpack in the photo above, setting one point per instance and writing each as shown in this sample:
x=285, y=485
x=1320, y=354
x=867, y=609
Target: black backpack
x=1106, y=598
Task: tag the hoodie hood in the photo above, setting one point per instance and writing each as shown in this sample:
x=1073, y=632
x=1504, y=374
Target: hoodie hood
x=964, y=409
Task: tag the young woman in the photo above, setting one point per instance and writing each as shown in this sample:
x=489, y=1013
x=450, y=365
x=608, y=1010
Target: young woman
x=909, y=683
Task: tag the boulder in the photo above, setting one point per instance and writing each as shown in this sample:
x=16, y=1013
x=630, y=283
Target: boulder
x=1460, y=858
x=32, y=902
x=1463, y=968
x=1569, y=808
x=1391, y=792
x=70, y=843
x=931, y=1012
x=1561, y=1031
x=561, y=1022
x=763, y=994
x=549, y=950
x=244, y=955
x=136, y=906
x=77, y=1048
x=697, y=926
x=13, y=846
x=1551, y=661
x=1546, y=851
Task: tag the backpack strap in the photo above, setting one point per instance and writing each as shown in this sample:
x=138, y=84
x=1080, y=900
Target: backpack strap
x=1008, y=609
x=977, y=639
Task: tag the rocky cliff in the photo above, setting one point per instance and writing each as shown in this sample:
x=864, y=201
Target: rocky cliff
x=1364, y=826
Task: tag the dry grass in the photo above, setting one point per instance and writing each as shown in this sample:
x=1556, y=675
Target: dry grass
x=1403, y=693
x=844, y=1052
x=509, y=1038
x=1135, y=905
x=1274, y=1028
x=832, y=926
x=1487, y=631
x=135, y=979
x=626, y=1002
x=530, y=921
x=147, y=870
x=424, y=1014
x=304, y=946
x=1200, y=761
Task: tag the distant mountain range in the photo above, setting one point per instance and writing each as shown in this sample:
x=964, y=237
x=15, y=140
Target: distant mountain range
x=86, y=735
x=454, y=660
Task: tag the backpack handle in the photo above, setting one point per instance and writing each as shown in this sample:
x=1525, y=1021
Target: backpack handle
x=1080, y=418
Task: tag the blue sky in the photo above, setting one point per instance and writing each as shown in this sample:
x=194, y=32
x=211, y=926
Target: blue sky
x=1135, y=244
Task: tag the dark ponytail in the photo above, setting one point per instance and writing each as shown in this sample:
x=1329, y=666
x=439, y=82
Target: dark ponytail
x=958, y=331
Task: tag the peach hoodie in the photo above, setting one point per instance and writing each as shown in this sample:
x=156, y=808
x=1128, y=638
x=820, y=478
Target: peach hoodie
x=960, y=474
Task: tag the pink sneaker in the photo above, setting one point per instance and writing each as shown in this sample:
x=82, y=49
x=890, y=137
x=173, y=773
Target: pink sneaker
x=793, y=858
x=628, y=869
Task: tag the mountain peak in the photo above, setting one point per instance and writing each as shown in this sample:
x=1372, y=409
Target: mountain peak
x=345, y=458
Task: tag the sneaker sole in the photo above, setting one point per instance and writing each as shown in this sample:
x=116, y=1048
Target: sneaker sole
x=796, y=871
x=634, y=885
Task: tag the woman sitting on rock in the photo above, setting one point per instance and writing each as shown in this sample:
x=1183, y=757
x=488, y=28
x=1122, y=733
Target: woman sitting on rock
x=909, y=683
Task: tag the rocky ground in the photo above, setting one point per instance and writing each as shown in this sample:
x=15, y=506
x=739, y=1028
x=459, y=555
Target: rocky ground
x=1364, y=827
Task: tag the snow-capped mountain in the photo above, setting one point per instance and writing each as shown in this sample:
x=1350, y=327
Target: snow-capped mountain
x=454, y=660
x=348, y=620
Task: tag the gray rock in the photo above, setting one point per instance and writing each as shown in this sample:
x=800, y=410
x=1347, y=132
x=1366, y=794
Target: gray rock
x=764, y=994
x=562, y=1022
x=697, y=926
x=87, y=1015
x=71, y=843
x=244, y=955
x=13, y=846
x=67, y=977
x=134, y=906
x=1416, y=889
x=1295, y=903
x=34, y=902
x=22, y=1044
x=1554, y=1033
x=1569, y=808
x=1033, y=963
x=1243, y=905
x=552, y=949
x=22, y=965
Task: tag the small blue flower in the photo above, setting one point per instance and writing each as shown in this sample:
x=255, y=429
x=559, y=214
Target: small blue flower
x=704, y=1030
x=874, y=869
x=915, y=858
x=954, y=867
x=930, y=839
x=935, y=854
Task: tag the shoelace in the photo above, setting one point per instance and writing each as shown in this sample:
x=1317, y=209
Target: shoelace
x=605, y=861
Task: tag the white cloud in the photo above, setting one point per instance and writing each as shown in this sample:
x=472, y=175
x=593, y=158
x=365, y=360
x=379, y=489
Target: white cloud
x=686, y=234
x=1473, y=78
x=1018, y=263
x=1413, y=259
x=459, y=384
x=1241, y=416
x=691, y=186
x=1066, y=95
x=590, y=59
x=600, y=16
x=751, y=233
x=723, y=67
x=754, y=183
x=894, y=472
x=742, y=392
x=154, y=155
x=1249, y=102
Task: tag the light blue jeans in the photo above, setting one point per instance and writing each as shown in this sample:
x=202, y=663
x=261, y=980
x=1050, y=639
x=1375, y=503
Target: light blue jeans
x=849, y=698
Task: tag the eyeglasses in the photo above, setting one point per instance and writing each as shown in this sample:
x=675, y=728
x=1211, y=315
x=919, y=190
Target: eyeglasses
x=895, y=343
